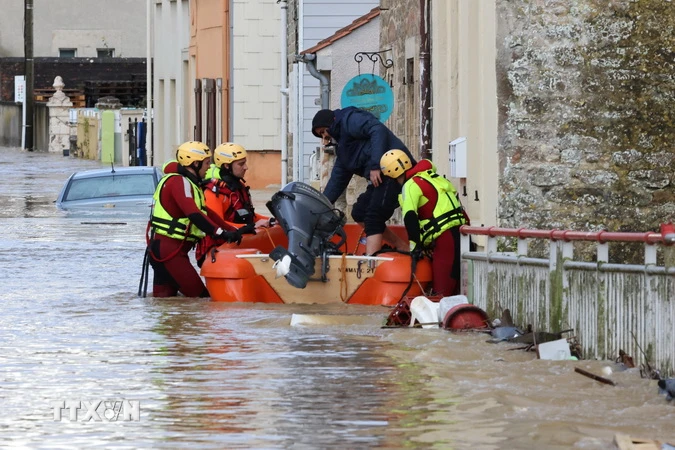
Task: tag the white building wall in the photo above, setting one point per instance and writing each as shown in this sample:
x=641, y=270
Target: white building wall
x=171, y=39
x=85, y=25
x=340, y=58
x=256, y=64
x=320, y=19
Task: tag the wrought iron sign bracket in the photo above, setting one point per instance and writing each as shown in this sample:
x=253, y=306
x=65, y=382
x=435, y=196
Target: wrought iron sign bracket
x=374, y=57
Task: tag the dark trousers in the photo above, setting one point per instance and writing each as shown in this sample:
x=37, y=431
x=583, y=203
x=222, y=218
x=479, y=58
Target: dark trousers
x=173, y=270
x=376, y=205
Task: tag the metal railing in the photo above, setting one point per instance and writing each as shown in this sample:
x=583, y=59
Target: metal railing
x=611, y=306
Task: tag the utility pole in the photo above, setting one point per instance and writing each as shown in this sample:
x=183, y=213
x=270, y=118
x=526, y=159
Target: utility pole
x=29, y=71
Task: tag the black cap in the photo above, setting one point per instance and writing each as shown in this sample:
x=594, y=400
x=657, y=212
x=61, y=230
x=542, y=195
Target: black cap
x=323, y=118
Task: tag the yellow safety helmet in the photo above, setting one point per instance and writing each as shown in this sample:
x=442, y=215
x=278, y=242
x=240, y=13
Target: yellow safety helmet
x=192, y=151
x=227, y=153
x=394, y=163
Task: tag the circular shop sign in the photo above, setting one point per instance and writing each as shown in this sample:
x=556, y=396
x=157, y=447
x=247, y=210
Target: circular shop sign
x=369, y=92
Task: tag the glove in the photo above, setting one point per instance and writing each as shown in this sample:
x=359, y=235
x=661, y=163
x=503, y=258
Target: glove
x=247, y=229
x=229, y=236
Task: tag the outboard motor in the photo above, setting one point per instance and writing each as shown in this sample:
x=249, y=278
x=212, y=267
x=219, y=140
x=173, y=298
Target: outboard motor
x=309, y=221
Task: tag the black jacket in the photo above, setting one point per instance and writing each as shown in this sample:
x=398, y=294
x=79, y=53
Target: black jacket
x=361, y=141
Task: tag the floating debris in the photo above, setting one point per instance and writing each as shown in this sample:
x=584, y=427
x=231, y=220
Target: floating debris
x=594, y=376
x=667, y=387
x=625, y=442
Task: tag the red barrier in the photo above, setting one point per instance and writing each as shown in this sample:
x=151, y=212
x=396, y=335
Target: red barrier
x=571, y=235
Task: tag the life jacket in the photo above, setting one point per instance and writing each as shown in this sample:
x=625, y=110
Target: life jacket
x=212, y=172
x=445, y=214
x=181, y=228
x=240, y=207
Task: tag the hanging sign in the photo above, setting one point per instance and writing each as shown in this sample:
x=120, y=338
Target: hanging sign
x=369, y=92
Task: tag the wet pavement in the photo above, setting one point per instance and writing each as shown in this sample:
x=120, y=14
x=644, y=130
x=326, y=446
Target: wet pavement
x=73, y=331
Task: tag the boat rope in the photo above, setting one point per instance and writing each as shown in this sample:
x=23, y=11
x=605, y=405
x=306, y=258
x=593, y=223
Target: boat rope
x=358, y=241
x=143, y=283
x=344, y=290
x=145, y=269
x=413, y=267
x=418, y=283
x=267, y=231
x=149, y=237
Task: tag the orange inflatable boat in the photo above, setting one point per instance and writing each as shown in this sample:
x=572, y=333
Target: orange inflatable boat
x=311, y=256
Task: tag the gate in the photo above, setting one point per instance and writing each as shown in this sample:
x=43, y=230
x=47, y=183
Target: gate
x=136, y=132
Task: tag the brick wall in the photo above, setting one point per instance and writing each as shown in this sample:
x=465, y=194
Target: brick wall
x=74, y=71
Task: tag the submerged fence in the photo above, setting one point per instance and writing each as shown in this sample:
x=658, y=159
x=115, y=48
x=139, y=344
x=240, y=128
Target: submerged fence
x=610, y=306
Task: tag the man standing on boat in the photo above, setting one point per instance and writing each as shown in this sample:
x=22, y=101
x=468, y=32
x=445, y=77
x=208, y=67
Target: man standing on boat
x=361, y=141
x=228, y=196
x=432, y=215
x=179, y=220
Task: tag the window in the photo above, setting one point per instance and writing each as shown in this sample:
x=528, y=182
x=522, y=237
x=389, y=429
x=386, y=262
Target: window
x=111, y=186
x=105, y=52
x=67, y=52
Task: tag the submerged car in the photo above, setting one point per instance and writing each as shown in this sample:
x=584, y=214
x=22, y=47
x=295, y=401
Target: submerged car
x=117, y=187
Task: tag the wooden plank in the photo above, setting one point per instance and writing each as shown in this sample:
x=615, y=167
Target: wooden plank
x=595, y=377
x=317, y=291
x=625, y=442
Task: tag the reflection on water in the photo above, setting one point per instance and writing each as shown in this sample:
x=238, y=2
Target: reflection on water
x=211, y=375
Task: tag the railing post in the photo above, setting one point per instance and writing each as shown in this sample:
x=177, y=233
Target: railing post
x=522, y=247
x=650, y=254
x=465, y=247
x=551, y=317
x=601, y=347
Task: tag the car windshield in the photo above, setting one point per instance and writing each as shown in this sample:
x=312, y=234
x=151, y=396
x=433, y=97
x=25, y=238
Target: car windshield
x=111, y=186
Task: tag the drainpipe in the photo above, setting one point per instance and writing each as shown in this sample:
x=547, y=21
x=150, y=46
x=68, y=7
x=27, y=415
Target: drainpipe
x=310, y=60
x=284, y=92
x=149, y=154
x=425, y=82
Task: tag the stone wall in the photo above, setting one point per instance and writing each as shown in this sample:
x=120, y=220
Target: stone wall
x=400, y=23
x=399, y=31
x=586, y=94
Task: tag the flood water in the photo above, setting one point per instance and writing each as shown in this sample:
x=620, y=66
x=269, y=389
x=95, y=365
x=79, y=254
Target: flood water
x=209, y=375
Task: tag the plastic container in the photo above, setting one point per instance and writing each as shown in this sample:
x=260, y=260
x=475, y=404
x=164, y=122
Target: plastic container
x=465, y=316
x=424, y=311
x=447, y=303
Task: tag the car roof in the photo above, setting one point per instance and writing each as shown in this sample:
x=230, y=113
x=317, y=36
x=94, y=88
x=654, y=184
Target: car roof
x=118, y=171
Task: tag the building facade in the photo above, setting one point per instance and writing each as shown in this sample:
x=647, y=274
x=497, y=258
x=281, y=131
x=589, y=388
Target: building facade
x=74, y=28
x=218, y=79
x=310, y=21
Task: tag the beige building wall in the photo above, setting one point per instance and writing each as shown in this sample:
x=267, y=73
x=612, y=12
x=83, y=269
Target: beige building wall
x=247, y=57
x=256, y=81
x=464, y=96
x=256, y=84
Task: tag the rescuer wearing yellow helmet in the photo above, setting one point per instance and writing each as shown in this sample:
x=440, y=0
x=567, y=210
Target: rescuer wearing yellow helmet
x=227, y=194
x=432, y=215
x=179, y=220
